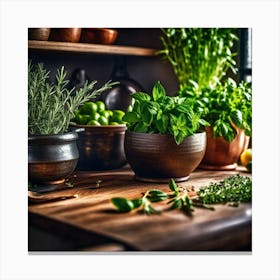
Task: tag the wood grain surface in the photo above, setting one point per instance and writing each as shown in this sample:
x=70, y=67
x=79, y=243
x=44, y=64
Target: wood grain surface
x=89, y=48
x=93, y=217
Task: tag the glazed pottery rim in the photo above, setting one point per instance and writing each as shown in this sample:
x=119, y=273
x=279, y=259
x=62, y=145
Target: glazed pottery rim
x=67, y=136
x=111, y=30
x=158, y=135
x=161, y=180
x=102, y=128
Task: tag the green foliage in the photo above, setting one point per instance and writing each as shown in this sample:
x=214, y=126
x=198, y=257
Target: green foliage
x=51, y=106
x=159, y=113
x=226, y=104
x=233, y=189
x=143, y=203
x=203, y=55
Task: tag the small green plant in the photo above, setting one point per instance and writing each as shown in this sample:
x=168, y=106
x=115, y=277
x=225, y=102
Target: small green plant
x=51, y=106
x=224, y=107
x=203, y=55
x=163, y=114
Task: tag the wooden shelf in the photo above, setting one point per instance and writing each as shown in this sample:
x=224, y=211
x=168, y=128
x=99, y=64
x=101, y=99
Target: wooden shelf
x=90, y=48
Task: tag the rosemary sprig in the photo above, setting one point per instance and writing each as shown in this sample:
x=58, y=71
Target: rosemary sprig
x=51, y=106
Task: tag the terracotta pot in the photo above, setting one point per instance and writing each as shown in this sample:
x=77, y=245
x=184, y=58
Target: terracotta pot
x=40, y=34
x=221, y=154
x=52, y=158
x=98, y=36
x=101, y=147
x=157, y=157
x=65, y=34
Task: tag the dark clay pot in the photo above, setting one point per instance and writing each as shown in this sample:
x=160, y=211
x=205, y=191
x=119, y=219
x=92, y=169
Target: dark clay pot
x=157, y=158
x=101, y=147
x=52, y=158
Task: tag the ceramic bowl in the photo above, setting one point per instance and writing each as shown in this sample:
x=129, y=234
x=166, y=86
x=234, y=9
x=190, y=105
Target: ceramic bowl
x=65, y=34
x=157, y=157
x=39, y=34
x=101, y=147
x=52, y=158
x=98, y=36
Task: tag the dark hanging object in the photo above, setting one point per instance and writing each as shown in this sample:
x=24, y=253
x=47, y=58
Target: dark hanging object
x=119, y=96
x=78, y=78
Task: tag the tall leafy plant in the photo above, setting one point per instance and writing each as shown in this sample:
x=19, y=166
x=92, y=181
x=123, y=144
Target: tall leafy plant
x=203, y=55
x=225, y=107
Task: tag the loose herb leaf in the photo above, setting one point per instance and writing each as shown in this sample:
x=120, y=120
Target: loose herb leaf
x=173, y=186
x=137, y=202
x=157, y=195
x=122, y=204
x=232, y=190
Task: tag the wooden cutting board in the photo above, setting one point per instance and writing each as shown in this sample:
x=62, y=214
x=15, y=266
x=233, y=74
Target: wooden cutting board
x=93, y=215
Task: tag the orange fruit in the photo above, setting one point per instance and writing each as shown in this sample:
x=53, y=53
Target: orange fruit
x=246, y=157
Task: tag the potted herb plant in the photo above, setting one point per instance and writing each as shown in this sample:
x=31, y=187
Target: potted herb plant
x=52, y=149
x=203, y=55
x=163, y=138
x=228, y=110
x=201, y=58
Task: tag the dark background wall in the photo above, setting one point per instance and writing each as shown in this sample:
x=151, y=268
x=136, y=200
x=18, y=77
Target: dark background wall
x=144, y=70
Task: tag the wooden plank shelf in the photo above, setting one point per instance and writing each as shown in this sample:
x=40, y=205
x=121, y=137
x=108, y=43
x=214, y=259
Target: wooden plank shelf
x=90, y=48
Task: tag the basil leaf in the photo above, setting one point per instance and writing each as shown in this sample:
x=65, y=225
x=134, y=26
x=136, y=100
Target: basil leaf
x=158, y=91
x=149, y=210
x=177, y=203
x=141, y=96
x=155, y=192
x=141, y=127
x=162, y=124
x=237, y=117
x=173, y=186
x=137, y=202
x=147, y=117
x=130, y=117
x=122, y=204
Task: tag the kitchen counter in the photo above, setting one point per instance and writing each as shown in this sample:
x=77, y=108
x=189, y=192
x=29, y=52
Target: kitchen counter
x=90, y=222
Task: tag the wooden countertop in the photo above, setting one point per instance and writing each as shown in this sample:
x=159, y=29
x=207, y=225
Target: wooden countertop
x=91, y=223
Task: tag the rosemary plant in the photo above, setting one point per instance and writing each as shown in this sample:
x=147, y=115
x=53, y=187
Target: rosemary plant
x=200, y=54
x=51, y=106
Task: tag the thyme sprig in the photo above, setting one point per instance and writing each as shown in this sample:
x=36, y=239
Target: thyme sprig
x=235, y=188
